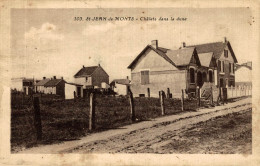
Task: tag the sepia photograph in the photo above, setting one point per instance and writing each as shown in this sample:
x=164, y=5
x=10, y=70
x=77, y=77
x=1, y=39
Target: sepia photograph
x=164, y=81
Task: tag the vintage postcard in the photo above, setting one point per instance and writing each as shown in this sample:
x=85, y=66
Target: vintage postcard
x=129, y=83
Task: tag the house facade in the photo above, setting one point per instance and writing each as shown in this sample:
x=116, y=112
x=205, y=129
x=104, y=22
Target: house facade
x=39, y=86
x=91, y=77
x=225, y=60
x=157, y=68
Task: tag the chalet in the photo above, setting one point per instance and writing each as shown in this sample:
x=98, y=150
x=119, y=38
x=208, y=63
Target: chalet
x=120, y=86
x=224, y=58
x=91, y=77
x=157, y=68
x=55, y=86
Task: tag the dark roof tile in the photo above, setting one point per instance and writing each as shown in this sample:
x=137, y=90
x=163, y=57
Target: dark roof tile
x=182, y=56
x=86, y=71
x=53, y=82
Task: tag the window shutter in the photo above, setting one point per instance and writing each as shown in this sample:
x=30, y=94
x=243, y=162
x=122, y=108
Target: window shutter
x=230, y=68
x=219, y=65
x=233, y=68
x=223, y=64
x=144, y=77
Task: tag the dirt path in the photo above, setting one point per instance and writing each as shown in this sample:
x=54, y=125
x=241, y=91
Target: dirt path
x=144, y=136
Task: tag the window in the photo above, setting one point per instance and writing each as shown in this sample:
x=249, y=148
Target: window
x=221, y=66
x=231, y=83
x=192, y=75
x=210, y=76
x=86, y=79
x=221, y=82
x=226, y=53
x=144, y=77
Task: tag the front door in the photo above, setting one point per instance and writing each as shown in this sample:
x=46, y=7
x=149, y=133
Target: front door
x=199, y=79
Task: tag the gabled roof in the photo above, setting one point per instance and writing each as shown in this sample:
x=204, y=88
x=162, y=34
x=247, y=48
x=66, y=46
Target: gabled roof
x=160, y=51
x=53, y=82
x=217, y=48
x=86, y=71
x=181, y=57
x=42, y=82
x=205, y=58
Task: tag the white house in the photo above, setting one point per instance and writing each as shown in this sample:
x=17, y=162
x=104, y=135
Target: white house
x=91, y=77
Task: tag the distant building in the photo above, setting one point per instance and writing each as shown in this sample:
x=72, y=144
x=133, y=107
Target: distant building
x=91, y=77
x=23, y=84
x=39, y=86
x=120, y=86
x=244, y=73
x=55, y=86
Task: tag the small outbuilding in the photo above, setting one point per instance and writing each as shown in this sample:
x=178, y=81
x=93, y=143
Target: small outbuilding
x=120, y=86
x=71, y=88
x=55, y=86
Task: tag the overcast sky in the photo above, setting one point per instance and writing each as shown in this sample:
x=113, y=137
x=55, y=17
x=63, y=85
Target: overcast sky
x=48, y=42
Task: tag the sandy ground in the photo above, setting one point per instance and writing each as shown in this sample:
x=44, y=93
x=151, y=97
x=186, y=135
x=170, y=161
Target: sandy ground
x=144, y=137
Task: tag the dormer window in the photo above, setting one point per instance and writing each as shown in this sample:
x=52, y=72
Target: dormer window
x=226, y=53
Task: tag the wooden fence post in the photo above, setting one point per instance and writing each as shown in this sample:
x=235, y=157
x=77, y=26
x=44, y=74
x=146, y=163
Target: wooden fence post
x=92, y=111
x=132, y=106
x=37, y=118
x=168, y=93
x=182, y=100
x=223, y=97
x=148, y=92
x=211, y=97
x=74, y=93
x=162, y=96
x=198, y=97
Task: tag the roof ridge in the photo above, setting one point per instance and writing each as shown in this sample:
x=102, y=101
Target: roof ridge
x=205, y=43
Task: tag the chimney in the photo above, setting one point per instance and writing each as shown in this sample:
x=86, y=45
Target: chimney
x=225, y=39
x=183, y=44
x=54, y=77
x=62, y=78
x=99, y=65
x=154, y=43
x=83, y=66
x=127, y=78
x=43, y=78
